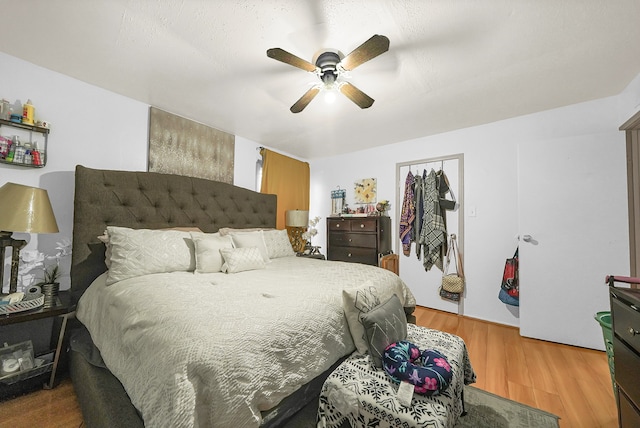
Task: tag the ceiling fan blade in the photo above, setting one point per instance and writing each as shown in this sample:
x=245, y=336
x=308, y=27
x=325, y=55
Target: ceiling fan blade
x=304, y=100
x=289, y=58
x=356, y=95
x=370, y=49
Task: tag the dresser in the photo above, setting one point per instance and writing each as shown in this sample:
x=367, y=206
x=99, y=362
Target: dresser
x=358, y=239
x=625, y=314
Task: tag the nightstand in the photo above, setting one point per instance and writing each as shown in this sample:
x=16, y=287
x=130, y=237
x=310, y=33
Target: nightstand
x=29, y=324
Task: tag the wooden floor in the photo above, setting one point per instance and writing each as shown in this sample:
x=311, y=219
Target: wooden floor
x=571, y=382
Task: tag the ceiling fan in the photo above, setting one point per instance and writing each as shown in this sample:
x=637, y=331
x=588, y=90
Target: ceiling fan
x=330, y=67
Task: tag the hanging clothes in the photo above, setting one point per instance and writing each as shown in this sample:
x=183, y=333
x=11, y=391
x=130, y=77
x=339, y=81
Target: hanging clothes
x=417, y=223
x=433, y=235
x=408, y=214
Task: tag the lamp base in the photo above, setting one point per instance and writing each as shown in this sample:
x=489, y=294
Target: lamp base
x=16, y=245
x=295, y=237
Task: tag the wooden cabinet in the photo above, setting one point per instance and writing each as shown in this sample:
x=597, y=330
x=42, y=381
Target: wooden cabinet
x=358, y=239
x=625, y=313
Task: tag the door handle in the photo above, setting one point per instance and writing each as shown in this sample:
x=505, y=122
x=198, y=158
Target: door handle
x=526, y=238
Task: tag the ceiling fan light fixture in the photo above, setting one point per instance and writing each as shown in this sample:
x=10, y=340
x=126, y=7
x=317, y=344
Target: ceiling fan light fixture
x=332, y=68
x=330, y=95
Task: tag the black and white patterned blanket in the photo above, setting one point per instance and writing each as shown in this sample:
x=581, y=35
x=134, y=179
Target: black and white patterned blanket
x=364, y=396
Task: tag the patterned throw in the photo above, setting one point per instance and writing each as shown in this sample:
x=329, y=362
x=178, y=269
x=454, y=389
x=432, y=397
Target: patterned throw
x=408, y=215
x=434, y=230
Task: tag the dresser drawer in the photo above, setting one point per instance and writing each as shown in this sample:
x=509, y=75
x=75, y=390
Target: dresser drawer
x=627, y=323
x=354, y=254
x=627, y=368
x=353, y=240
x=355, y=225
x=338, y=225
x=629, y=415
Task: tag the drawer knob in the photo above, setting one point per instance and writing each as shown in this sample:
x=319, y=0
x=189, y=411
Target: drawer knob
x=338, y=225
x=350, y=240
x=633, y=331
x=349, y=255
x=361, y=226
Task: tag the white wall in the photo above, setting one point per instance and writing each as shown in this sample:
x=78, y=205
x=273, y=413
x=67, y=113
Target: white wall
x=90, y=126
x=491, y=174
x=100, y=129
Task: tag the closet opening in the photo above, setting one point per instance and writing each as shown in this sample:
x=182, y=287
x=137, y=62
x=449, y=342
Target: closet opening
x=425, y=283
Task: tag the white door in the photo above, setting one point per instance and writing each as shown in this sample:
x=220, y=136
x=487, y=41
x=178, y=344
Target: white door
x=570, y=192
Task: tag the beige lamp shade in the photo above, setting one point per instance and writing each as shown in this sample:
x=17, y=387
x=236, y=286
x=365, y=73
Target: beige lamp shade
x=297, y=218
x=26, y=209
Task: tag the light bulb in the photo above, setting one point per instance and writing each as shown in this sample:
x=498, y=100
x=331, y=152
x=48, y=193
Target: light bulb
x=329, y=97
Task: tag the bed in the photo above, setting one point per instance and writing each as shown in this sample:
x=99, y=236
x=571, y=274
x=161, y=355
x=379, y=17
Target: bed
x=165, y=339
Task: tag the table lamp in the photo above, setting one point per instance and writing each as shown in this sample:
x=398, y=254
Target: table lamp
x=24, y=209
x=296, y=222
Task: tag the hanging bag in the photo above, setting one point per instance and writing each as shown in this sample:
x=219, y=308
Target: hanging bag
x=453, y=282
x=510, y=276
x=510, y=287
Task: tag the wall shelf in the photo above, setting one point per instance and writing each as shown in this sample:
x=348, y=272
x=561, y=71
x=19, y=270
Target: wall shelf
x=31, y=129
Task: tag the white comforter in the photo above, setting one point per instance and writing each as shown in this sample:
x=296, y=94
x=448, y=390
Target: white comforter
x=214, y=350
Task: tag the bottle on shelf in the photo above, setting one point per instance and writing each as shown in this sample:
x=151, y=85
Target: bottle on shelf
x=12, y=152
x=4, y=147
x=27, y=113
x=36, y=158
x=28, y=157
x=18, y=157
x=5, y=109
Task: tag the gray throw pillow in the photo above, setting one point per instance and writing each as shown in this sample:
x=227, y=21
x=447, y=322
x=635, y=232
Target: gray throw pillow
x=384, y=325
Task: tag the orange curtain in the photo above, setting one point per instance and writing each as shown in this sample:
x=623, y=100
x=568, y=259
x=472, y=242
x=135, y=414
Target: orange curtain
x=288, y=179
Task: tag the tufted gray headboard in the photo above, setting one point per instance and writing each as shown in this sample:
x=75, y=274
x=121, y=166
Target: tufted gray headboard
x=153, y=200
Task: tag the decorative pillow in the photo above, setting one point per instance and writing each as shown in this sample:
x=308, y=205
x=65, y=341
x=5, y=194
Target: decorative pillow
x=277, y=243
x=429, y=371
x=384, y=325
x=241, y=259
x=136, y=252
x=358, y=301
x=104, y=238
x=208, y=245
x=251, y=239
x=229, y=230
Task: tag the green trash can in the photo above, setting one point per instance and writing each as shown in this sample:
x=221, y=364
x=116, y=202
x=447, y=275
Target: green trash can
x=604, y=318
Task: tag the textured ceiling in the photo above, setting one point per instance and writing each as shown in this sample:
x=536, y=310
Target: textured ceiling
x=451, y=64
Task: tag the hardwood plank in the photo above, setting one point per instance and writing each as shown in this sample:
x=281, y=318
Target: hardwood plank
x=567, y=381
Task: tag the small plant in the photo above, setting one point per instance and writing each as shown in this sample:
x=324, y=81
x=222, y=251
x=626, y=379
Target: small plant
x=51, y=275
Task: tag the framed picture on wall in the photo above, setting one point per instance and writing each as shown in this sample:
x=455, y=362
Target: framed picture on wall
x=365, y=191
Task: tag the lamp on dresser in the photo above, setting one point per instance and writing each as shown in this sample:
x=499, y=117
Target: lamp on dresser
x=24, y=209
x=296, y=222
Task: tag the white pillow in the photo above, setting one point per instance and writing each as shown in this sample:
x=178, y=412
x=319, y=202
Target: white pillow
x=358, y=301
x=208, y=245
x=277, y=243
x=230, y=230
x=104, y=238
x=136, y=252
x=241, y=259
x=250, y=239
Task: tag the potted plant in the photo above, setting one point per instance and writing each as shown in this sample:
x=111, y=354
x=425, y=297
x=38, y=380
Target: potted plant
x=50, y=285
